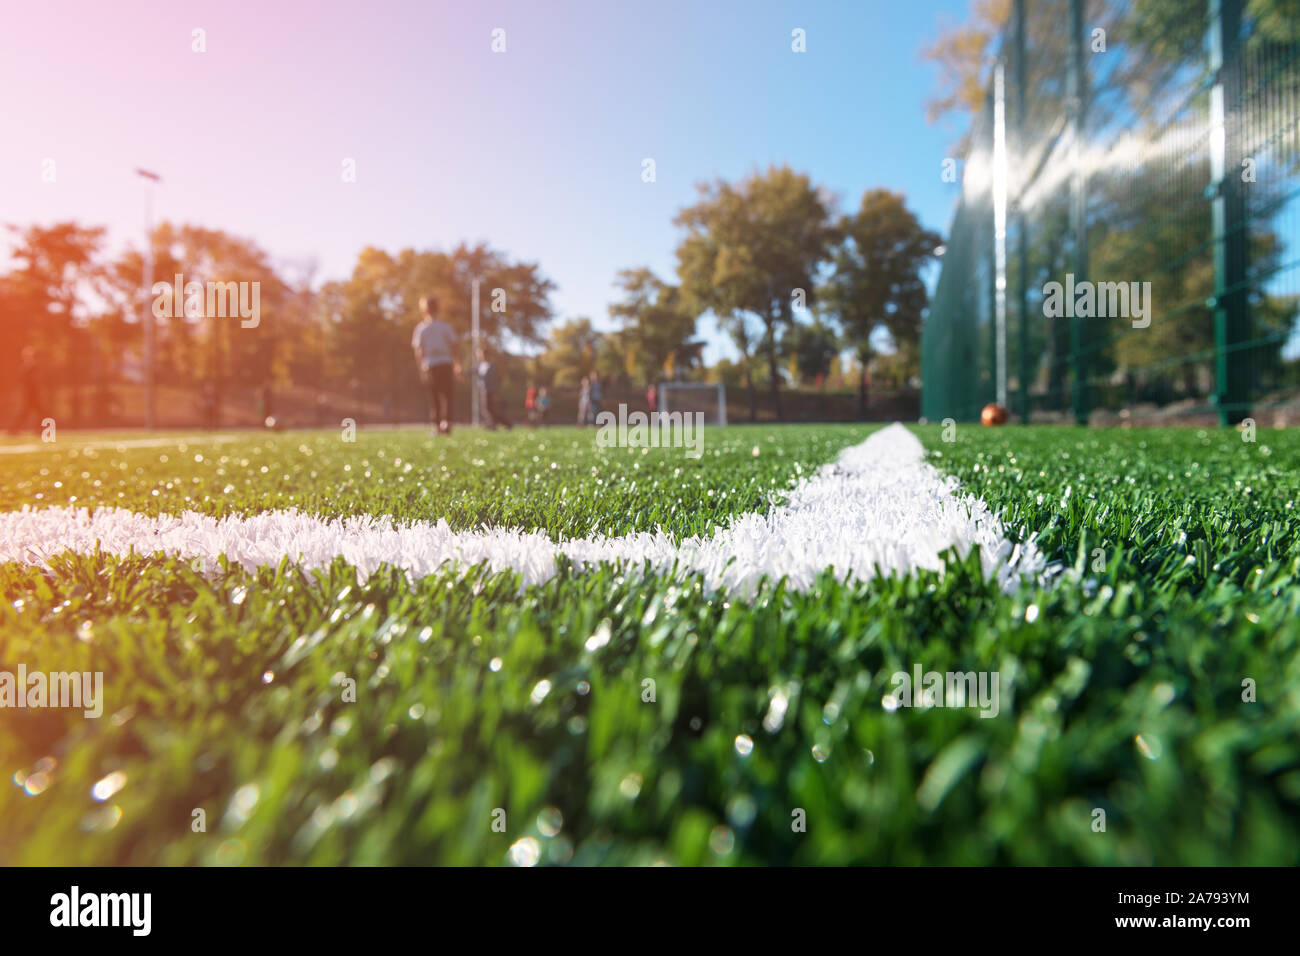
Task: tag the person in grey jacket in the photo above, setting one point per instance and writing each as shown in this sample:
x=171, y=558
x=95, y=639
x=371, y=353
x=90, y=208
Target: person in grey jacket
x=434, y=344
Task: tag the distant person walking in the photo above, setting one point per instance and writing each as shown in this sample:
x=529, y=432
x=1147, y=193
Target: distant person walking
x=595, y=395
x=489, y=387
x=530, y=404
x=543, y=405
x=434, y=344
x=652, y=398
x=584, y=400
x=31, y=399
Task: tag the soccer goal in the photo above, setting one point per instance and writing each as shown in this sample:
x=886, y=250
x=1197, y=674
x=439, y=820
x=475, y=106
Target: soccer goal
x=707, y=397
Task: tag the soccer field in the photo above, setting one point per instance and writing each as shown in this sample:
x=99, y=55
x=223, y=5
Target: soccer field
x=356, y=707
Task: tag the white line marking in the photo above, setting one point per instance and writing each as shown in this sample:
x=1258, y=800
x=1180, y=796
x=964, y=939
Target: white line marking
x=880, y=506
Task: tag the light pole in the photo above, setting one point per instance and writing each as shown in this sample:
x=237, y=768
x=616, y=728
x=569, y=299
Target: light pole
x=1000, y=234
x=148, y=317
x=473, y=357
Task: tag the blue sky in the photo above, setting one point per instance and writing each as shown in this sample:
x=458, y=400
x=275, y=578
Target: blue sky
x=537, y=150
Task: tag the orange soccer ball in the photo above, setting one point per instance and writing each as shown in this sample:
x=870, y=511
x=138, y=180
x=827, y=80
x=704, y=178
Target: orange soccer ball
x=994, y=414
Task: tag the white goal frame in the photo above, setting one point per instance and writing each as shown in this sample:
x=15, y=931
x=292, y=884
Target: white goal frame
x=665, y=390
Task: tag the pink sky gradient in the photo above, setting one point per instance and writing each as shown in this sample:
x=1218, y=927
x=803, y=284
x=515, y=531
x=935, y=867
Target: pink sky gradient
x=537, y=151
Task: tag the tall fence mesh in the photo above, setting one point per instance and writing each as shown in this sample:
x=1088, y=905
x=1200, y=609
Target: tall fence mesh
x=1126, y=241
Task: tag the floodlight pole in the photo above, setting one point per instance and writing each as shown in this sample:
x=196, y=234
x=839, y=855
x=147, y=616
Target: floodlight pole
x=1000, y=232
x=473, y=357
x=1081, y=330
x=1231, y=303
x=1022, y=221
x=148, y=317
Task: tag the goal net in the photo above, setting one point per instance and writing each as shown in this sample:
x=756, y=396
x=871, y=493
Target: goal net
x=708, y=398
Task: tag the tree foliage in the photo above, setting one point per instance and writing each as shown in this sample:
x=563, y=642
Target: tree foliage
x=750, y=250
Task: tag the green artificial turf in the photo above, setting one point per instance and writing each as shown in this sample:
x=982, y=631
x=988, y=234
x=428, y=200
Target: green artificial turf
x=556, y=479
x=1122, y=679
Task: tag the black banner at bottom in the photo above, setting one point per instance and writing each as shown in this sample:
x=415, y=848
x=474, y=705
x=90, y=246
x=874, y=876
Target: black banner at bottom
x=332, y=906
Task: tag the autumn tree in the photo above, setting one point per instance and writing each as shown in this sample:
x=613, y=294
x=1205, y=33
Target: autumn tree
x=877, y=284
x=752, y=251
x=570, y=353
x=812, y=348
x=657, y=329
x=44, y=305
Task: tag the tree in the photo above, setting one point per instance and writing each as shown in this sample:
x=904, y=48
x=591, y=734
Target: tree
x=753, y=249
x=737, y=327
x=570, y=353
x=239, y=356
x=727, y=372
x=44, y=302
x=962, y=53
x=514, y=297
x=657, y=328
x=371, y=315
x=813, y=348
x=876, y=283
x=614, y=357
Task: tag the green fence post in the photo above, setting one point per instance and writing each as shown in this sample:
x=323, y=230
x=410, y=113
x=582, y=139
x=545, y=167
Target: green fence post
x=1076, y=93
x=1228, y=215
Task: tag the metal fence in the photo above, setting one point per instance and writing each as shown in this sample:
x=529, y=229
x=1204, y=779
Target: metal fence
x=1126, y=241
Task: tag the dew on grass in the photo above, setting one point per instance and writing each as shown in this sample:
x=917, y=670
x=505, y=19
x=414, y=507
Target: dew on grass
x=231, y=852
x=1148, y=746
x=109, y=785
x=549, y=822
x=722, y=840
x=345, y=805
x=776, y=709
x=630, y=786
x=741, y=810
x=524, y=852
x=101, y=819
x=540, y=690
x=244, y=802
